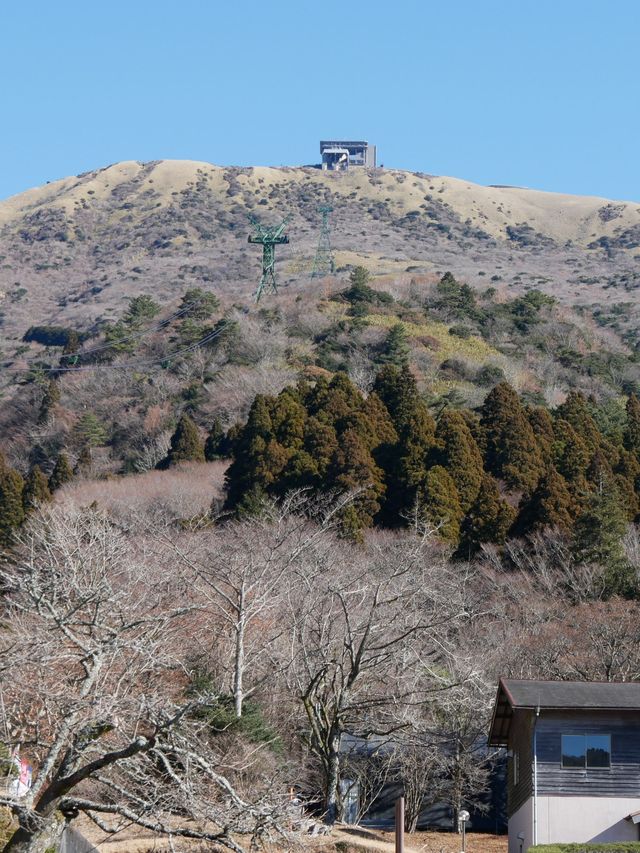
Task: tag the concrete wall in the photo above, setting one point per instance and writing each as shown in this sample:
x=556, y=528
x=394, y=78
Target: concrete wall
x=574, y=819
x=586, y=819
x=521, y=821
x=74, y=842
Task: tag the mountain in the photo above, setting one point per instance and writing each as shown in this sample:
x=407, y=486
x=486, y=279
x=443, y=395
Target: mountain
x=144, y=274
x=74, y=250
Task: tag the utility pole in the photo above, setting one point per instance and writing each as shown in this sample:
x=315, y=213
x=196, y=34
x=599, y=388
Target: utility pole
x=268, y=236
x=323, y=263
x=400, y=825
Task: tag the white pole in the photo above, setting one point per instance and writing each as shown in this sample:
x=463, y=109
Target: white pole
x=535, y=777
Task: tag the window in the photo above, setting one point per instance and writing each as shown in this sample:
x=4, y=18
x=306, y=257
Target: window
x=586, y=751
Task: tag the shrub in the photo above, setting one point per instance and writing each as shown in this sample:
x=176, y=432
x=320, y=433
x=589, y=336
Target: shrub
x=489, y=375
x=49, y=336
x=460, y=331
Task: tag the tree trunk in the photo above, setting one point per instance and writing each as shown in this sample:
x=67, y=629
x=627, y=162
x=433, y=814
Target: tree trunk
x=333, y=780
x=36, y=834
x=238, y=674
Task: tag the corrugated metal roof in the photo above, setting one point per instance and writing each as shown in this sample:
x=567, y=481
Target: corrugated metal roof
x=558, y=695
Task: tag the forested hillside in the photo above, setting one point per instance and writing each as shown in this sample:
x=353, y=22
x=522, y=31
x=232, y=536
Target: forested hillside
x=240, y=540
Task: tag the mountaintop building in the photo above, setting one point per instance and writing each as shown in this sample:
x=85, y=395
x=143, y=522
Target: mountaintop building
x=339, y=155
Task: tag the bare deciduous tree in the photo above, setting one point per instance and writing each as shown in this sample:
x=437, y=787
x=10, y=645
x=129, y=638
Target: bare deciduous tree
x=93, y=667
x=370, y=633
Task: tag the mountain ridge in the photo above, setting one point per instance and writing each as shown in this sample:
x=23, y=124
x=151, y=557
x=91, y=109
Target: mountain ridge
x=72, y=252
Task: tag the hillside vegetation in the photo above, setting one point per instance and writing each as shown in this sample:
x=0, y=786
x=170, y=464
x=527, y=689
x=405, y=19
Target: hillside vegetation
x=223, y=524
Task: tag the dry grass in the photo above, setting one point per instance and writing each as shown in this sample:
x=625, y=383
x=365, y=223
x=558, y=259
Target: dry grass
x=181, y=492
x=341, y=840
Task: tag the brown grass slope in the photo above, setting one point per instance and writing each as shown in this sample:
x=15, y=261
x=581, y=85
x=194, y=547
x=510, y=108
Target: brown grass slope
x=73, y=251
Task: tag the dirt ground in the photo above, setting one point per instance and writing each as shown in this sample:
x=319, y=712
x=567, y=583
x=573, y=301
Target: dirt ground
x=419, y=842
x=342, y=839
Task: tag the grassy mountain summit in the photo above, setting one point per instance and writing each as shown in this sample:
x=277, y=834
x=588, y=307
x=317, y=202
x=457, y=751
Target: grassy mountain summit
x=74, y=250
x=127, y=299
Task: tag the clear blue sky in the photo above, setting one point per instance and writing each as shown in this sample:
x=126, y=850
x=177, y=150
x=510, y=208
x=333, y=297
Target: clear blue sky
x=529, y=92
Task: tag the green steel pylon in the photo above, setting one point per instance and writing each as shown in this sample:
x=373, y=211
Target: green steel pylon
x=323, y=263
x=268, y=236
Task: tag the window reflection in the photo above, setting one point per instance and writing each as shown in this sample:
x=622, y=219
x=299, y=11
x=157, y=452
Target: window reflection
x=586, y=751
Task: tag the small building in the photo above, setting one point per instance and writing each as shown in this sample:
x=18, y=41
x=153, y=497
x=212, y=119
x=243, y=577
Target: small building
x=573, y=760
x=339, y=155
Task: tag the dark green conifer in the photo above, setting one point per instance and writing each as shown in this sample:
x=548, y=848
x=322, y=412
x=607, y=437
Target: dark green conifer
x=632, y=431
x=186, y=445
x=288, y=417
x=406, y=463
x=50, y=398
x=542, y=426
x=549, y=506
x=354, y=469
x=36, y=490
x=214, y=444
x=440, y=504
x=457, y=451
x=395, y=349
x=320, y=442
x=575, y=410
x=90, y=431
x=598, y=535
x=62, y=473
x=11, y=508
x=84, y=462
x=489, y=519
x=627, y=475
x=512, y=452
x=249, y=447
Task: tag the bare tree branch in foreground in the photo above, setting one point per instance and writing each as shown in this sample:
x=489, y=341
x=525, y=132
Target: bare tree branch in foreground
x=93, y=676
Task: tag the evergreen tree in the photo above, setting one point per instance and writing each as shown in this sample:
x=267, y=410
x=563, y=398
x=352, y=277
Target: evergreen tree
x=186, y=445
x=84, y=462
x=320, y=443
x=457, y=300
x=288, y=417
x=440, y=504
x=512, y=452
x=598, y=535
x=549, y=505
x=632, y=431
x=332, y=402
x=406, y=462
x=214, y=445
x=398, y=390
x=36, y=490
x=457, y=451
x=359, y=277
x=62, y=473
x=11, y=508
x=575, y=411
x=90, y=431
x=627, y=475
x=50, y=398
x=354, y=469
x=542, y=426
x=488, y=520
x=249, y=446
x=570, y=452
x=141, y=308
x=395, y=349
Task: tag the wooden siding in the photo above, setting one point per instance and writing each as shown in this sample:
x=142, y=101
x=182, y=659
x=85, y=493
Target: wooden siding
x=622, y=779
x=520, y=741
